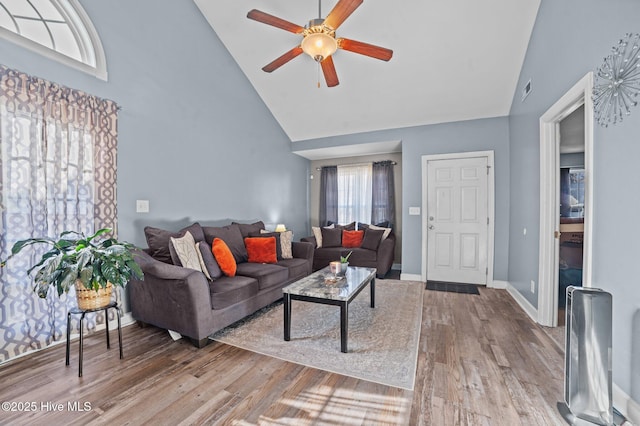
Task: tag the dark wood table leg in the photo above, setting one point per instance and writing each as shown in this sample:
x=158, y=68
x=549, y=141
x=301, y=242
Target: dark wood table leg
x=344, y=328
x=119, y=331
x=68, y=337
x=81, y=340
x=106, y=326
x=287, y=317
x=372, y=290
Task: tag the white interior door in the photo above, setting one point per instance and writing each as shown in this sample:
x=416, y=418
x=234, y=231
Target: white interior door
x=457, y=220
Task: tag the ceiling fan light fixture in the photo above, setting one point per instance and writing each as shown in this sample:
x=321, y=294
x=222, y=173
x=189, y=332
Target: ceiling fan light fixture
x=319, y=42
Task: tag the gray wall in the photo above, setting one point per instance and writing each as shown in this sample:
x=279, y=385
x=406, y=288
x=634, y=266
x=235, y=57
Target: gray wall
x=314, y=189
x=476, y=135
x=195, y=139
x=570, y=38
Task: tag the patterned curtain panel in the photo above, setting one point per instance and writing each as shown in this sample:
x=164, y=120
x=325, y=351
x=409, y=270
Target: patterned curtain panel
x=383, y=197
x=58, y=173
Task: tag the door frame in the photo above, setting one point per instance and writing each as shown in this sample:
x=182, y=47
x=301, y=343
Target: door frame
x=549, y=245
x=490, y=205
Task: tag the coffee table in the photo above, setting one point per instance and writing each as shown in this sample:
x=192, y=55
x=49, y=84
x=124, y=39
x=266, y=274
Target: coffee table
x=314, y=289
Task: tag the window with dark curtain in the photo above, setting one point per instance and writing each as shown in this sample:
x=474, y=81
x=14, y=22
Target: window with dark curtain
x=328, y=195
x=383, y=206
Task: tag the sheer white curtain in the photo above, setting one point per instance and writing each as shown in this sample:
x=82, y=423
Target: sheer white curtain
x=354, y=193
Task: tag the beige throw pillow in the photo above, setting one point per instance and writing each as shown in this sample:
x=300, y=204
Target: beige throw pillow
x=286, y=238
x=185, y=247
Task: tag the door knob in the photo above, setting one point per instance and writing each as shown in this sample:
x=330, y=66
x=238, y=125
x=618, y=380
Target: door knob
x=431, y=227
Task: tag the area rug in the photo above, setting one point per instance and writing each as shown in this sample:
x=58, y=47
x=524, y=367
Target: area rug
x=383, y=341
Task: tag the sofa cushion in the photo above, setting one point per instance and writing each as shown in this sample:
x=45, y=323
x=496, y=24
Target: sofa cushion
x=227, y=291
x=363, y=256
x=317, y=232
x=331, y=237
x=387, y=231
x=183, y=252
x=232, y=236
x=268, y=275
x=207, y=261
x=246, y=229
x=329, y=254
x=224, y=257
x=267, y=234
x=297, y=267
x=261, y=250
x=158, y=240
x=352, y=239
x=371, y=239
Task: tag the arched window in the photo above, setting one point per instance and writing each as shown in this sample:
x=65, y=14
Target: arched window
x=57, y=29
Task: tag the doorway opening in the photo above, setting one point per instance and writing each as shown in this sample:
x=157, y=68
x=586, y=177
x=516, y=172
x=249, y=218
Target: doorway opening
x=575, y=247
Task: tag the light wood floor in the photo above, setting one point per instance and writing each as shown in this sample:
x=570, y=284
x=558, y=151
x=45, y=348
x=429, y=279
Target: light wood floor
x=482, y=361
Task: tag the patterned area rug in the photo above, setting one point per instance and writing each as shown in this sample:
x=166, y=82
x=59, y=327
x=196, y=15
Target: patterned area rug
x=383, y=341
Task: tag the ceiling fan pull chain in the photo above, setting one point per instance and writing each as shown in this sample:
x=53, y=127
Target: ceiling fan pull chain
x=318, y=75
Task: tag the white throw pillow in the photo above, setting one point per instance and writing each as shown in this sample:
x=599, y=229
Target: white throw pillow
x=185, y=248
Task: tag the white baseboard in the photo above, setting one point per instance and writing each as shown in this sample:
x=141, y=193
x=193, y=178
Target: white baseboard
x=627, y=406
x=498, y=284
x=410, y=277
x=524, y=303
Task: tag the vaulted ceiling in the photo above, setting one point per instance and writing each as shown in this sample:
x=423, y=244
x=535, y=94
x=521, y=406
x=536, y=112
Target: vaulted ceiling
x=453, y=60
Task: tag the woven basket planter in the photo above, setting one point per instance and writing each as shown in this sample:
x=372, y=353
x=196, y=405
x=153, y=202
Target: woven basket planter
x=91, y=299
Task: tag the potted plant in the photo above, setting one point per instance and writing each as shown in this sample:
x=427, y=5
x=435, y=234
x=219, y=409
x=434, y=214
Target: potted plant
x=93, y=267
x=345, y=260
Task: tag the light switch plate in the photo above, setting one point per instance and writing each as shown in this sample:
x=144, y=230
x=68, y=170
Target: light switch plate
x=142, y=206
x=414, y=211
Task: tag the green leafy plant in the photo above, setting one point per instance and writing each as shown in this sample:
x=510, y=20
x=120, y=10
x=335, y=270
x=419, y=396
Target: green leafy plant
x=345, y=259
x=73, y=256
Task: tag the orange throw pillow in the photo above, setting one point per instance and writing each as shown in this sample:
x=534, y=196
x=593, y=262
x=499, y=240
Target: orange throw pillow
x=261, y=250
x=352, y=239
x=224, y=257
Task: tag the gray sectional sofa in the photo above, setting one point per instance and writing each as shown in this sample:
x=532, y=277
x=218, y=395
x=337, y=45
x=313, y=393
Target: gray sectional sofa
x=186, y=301
x=375, y=251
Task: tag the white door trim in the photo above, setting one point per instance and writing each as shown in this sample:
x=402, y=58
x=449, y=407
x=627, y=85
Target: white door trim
x=578, y=95
x=490, y=205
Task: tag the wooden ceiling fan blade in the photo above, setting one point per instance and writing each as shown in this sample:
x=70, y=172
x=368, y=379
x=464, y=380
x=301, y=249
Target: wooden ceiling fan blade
x=274, y=21
x=340, y=12
x=329, y=71
x=282, y=59
x=366, y=49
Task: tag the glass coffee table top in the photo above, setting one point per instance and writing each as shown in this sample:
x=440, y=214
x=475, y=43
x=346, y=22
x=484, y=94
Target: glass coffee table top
x=323, y=284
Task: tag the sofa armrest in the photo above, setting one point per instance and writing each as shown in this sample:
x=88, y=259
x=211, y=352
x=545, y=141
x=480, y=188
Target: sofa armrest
x=311, y=239
x=304, y=250
x=385, y=255
x=171, y=297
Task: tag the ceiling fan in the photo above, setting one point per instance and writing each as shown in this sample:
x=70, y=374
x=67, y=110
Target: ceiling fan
x=319, y=39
